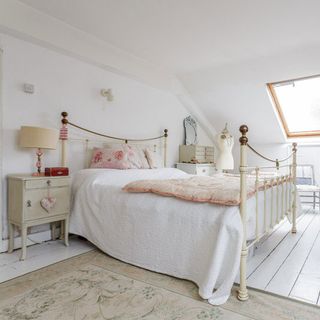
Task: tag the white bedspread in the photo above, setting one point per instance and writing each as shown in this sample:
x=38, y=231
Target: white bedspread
x=200, y=242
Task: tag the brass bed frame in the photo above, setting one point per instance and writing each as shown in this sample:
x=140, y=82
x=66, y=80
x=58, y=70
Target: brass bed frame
x=286, y=206
x=64, y=137
x=284, y=185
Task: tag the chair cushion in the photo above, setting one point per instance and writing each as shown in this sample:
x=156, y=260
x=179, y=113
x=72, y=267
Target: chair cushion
x=309, y=188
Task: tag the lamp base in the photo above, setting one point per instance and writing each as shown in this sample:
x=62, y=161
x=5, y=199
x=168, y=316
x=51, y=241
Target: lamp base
x=39, y=154
x=37, y=174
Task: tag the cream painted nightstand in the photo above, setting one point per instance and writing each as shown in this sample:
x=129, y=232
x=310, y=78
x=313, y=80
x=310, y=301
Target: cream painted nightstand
x=200, y=169
x=25, y=209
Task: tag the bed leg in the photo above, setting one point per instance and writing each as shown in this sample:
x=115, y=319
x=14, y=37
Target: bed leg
x=294, y=217
x=243, y=291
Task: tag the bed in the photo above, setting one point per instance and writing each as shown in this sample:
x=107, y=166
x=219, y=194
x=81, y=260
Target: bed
x=201, y=242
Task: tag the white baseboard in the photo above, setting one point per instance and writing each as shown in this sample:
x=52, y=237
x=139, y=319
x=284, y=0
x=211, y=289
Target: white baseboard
x=32, y=239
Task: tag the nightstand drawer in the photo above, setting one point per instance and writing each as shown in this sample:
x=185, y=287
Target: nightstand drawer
x=44, y=183
x=32, y=202
x=203, y=171
x=199, y=169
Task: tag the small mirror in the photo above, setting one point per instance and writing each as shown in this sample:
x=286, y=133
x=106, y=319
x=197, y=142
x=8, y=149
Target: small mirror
x=190, y=131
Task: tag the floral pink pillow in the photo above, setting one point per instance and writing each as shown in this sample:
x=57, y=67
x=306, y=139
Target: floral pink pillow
x=110, y=158
x=135, y=154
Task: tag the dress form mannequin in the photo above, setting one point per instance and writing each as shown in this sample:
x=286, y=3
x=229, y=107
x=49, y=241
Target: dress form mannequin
x=225, y=144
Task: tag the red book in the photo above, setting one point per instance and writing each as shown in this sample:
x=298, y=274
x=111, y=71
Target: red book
x=56, y=171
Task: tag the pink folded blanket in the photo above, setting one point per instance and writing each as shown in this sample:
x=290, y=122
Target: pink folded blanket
x=220, y=189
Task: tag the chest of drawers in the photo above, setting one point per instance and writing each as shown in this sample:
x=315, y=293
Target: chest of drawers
x=201, y=154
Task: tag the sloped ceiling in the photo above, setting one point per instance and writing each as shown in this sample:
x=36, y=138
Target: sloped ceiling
x=224, y=52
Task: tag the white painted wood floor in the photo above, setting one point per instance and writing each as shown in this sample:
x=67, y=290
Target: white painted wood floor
x=288, y=264
x=284, y=263
x=39, y=256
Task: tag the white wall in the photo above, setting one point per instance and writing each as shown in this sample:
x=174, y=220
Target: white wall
x=237, y=93
x=63, y=83
x=1, y=159
x=29, y=24
x=310, y=154
x=24, y=21
x=273, y=151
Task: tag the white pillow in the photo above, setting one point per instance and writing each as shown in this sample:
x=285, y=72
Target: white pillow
x=154, y=159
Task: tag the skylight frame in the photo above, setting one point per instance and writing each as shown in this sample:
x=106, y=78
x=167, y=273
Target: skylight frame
x=290, y=134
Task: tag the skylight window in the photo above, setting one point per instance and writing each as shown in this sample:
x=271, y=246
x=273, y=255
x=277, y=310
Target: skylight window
x=298, y=104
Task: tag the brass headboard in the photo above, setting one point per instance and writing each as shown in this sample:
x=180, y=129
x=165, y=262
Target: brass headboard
x=64, y=138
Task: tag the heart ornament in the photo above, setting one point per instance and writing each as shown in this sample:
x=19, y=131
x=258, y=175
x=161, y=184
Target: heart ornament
x=48, y=203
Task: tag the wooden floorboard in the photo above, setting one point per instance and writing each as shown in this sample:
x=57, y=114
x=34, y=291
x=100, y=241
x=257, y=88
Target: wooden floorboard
x=285, y=223
x=285, y=278
x=307, y=286
x=289, y=264
x=306, y=289
x=268, y=246
x=272, y=263
x=39, y=256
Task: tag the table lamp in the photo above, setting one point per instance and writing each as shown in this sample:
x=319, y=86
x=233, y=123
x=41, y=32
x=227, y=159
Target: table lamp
x=40, y=138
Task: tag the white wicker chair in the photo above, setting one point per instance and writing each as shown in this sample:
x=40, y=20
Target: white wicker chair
x=306, y=185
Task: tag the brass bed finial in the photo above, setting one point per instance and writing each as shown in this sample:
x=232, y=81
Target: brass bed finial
x=64, y=119
x=244, y=139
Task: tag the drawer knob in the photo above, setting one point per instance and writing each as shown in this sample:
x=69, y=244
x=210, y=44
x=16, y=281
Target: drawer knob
x=49, y=183
x=29, y=203
x=203, y=170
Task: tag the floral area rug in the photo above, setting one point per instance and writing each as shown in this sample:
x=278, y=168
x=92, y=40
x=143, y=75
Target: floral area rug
x=94, y=286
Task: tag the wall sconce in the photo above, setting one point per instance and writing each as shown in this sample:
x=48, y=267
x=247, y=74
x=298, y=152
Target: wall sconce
x=107, y=93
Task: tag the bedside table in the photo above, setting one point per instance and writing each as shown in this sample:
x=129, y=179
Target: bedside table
x=200, y=169
x=26, y=207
